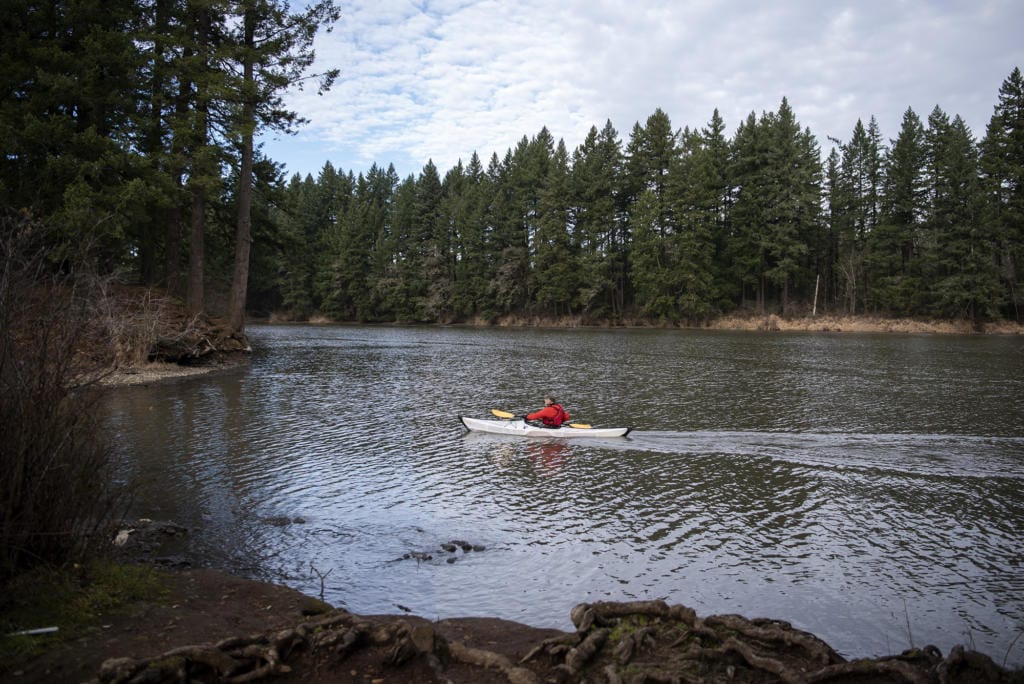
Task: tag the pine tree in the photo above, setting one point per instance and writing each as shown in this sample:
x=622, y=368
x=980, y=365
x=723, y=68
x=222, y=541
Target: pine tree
x=857, y=214
x=796, y=199
x=717, y=151
x=777, y=170
x=470, y=249
x=650, y=155
x=827, y=244
x=697, y=192
x=649, y=270
x=895, y=263
x=598, y=229
x=746, y=251
x=273, y=49
x=72, y=76
x=1002, y=164
x=555, y=262
x=425, y=269
x=962, y=253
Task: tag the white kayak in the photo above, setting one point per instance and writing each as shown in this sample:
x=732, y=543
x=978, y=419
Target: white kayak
x=523, y=429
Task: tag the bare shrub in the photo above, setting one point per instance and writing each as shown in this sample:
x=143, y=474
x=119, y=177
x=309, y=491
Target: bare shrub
x=133, y=322
x=55, y=462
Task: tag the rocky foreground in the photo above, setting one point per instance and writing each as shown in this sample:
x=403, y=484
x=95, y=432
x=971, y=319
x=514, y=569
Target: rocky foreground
x=614, y=642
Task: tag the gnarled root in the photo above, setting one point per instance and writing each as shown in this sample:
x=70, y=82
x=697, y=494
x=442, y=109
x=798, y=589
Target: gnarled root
x=489, y=659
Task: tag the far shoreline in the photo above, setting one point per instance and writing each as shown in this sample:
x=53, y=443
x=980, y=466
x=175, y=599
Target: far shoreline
x=737, y=322
x=161, y=371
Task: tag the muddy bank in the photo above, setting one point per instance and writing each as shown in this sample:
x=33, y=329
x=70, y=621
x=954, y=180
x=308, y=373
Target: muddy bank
x=213, y=627
x=164, y=371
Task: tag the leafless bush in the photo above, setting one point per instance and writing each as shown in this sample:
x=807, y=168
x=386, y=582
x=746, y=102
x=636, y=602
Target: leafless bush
x=134, y=321
x=55, y=480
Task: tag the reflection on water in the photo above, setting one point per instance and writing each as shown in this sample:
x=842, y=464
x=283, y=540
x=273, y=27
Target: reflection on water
x=844, y=483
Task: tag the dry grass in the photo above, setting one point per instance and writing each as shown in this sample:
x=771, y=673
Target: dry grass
x=753, y=322
x=861, y=324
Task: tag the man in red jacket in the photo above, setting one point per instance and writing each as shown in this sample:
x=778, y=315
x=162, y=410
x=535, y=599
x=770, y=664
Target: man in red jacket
x=552, y=415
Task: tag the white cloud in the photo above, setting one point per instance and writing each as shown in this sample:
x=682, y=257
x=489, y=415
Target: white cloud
x=440, y=80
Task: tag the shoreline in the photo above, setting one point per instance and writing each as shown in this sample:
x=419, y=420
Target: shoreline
x=219, y=626
x=736, y=322
x=161, y=371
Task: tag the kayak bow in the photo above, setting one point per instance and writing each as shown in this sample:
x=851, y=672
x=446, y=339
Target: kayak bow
x=521, y=428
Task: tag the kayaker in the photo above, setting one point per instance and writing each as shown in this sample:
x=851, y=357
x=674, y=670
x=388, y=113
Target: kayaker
x=552, y=415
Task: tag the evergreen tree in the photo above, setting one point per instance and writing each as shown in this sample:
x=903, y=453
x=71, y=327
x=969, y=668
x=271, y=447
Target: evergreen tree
x=697, y=193
x=650, y=155
x=777, y=170
x=425, y=274
x=827, y=245
x=517, y=188
x=894, y=256
x=716, y=188
x=651, y=266
x=393, y=256
x=202, y=79
x=346, y=283
x=597, y=224
x=273, y=51
x=746, y=251
x=962, y=268
x=71, y=78
x=796, y=200
x=471, y=249
x=856, y=215
x=298, y=255
x=1002, y=164
x=555, y=268
x=309, y=223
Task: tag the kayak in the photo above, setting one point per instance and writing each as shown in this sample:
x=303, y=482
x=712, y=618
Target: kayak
x=523, y=429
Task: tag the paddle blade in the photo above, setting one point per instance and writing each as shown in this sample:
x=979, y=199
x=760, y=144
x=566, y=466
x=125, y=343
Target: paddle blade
x=584, y=426
x=503, y=414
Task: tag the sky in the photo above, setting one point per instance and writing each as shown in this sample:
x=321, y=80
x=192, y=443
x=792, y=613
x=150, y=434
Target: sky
x=439, y=80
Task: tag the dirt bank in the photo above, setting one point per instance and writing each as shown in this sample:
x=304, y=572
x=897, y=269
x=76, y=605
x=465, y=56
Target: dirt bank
x=751, y=322
x=863, y=324
x=215, y=627
x=157, y=371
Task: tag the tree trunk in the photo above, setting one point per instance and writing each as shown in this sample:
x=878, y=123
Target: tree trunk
x=243, y=228
x=243, y=239
x=172, y=251
x=197, y=251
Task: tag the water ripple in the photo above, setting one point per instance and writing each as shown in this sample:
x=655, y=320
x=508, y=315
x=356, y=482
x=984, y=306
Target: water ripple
x=834, y=482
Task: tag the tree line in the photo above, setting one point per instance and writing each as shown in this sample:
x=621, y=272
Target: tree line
x=671, y=225
x=132, y=122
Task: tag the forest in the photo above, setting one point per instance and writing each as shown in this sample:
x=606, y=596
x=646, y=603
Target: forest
x=130, y=126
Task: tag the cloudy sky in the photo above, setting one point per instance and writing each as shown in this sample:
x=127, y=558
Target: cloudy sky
x=441, y=79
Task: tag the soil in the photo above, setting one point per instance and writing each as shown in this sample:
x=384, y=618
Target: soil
x=215, y=627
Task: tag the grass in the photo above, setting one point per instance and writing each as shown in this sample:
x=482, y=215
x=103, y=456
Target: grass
x=73, y=598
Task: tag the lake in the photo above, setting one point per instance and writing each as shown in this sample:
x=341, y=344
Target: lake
x=866, y=488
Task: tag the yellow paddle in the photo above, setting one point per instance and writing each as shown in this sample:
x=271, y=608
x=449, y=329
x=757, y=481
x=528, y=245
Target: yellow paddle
x=506, y=415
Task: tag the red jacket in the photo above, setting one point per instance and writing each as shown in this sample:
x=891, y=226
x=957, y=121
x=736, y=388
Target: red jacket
x=552, y=416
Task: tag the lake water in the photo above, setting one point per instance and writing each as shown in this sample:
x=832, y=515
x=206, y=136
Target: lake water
x=866, y=488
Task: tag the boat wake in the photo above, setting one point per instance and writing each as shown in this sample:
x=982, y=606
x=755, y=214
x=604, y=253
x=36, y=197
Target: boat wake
x=936, y=455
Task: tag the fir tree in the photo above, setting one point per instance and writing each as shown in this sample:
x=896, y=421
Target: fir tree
x=1002, y=164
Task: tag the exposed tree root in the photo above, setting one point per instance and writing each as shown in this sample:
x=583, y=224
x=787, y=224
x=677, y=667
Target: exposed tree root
x=615, y=643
